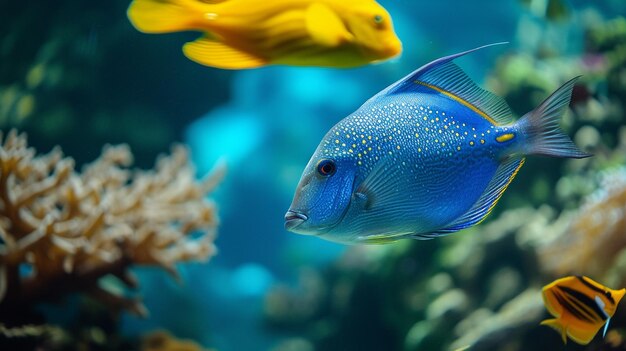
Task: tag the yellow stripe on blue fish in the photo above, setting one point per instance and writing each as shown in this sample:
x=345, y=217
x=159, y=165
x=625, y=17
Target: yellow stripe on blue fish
x=427, y=156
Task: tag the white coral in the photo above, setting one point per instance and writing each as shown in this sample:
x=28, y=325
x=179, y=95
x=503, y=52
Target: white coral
x=74, y=228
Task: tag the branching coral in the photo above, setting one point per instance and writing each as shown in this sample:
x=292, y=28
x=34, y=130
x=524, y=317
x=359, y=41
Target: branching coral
x=61, y=231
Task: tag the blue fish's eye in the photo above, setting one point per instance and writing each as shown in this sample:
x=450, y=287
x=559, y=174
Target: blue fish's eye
x=378, y=19
x=326, y=168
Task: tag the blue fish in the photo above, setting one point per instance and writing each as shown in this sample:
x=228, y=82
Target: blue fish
x=429, y=155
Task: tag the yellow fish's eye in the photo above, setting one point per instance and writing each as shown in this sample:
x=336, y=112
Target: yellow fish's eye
x=378, y=19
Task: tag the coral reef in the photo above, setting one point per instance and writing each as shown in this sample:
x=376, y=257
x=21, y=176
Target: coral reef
x=63, y=231
x=597, y=227
x=485, y=330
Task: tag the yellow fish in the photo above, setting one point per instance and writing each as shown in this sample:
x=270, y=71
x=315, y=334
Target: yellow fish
x=241, y=34
x=581, y=306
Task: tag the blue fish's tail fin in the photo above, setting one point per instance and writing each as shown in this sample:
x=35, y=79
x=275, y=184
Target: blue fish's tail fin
x=540, y=126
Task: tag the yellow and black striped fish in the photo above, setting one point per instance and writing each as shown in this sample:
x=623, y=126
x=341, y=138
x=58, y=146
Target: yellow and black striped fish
x=581, y=307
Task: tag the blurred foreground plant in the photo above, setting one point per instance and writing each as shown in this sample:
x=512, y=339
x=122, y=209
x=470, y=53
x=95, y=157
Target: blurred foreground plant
x=62, y=231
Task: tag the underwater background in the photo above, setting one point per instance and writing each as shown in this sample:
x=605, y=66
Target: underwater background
x=77, y=75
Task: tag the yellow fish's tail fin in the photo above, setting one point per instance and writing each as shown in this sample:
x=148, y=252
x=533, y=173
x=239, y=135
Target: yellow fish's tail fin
x=556, y=325
x=164, y=16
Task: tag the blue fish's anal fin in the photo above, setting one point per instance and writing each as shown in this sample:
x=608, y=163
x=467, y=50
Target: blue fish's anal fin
x=485, y=203
x=381, y=239
x=445, y=77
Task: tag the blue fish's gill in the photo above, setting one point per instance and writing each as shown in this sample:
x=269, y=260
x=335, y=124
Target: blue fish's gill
x=427, y=156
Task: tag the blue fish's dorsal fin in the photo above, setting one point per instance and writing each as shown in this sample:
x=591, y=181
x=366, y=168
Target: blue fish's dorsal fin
x=446, y=77
x=485, y=203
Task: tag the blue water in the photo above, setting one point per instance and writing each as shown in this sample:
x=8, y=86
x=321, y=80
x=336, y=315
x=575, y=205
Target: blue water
x=266, y=129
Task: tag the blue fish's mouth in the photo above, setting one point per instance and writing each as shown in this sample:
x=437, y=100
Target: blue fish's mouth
x=293, y=219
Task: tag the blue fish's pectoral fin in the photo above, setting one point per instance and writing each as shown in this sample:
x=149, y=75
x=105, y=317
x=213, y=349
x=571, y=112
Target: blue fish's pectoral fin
x=445, y=77
x=380, y=188
x=362, y=201
x=556, y=325
x=380, y=197
x=325, y=26
x=485, y=203
x=213, y=53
